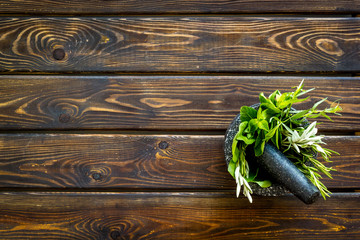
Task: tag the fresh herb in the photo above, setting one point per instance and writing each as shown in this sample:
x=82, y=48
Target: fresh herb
x=276, y=121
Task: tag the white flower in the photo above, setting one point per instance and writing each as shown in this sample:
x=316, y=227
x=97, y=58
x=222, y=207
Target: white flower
x=307, y=139
x=240, y=181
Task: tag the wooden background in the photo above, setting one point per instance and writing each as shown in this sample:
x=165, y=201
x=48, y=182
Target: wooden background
x=113, y=115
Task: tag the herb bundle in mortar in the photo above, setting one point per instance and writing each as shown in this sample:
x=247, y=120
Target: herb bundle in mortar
x=276, y=122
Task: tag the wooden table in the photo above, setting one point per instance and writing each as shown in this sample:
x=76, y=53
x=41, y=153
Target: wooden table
x=113, y=115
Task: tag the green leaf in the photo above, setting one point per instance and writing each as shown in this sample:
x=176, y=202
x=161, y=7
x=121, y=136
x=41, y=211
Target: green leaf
x=252, y=175
x=263, y=184
x=259, y=144
x=231, y=168
x=272, y=96
x=235, y=150
x=270, y=107
x=267, y=114
x=242, y=155
x=247, y=113
x=242, y=127
x=299, y=114
x=239, y=135
x=297, y=122
x=271, y=133
x=263, y=124
x=256, y=124
x=253, y=126
x=282, y=98
x=277, y=138
x=305, y=92
x=258, y=151
x=286, y=103
x=263, y=99
x=259, y=114
x=299, y=88
x=334, y=110
x=314, y=115
x=262, y=146
x=326, y=116
x=247, y=141
x=249, y=135
x=318, y=103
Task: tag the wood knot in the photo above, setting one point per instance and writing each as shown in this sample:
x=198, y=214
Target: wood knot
x=96, y=176
x=116, y=235
x=329, y=46
x=163, y=145
x=64, y=118
x=59, y=54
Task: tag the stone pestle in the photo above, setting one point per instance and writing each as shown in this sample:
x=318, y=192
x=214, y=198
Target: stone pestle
x=287, y=174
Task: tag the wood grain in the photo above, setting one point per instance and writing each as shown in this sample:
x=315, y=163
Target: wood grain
x=180, y=6
x=179, y=44
x=158, y=102
x=37, y=215
x=138, y=162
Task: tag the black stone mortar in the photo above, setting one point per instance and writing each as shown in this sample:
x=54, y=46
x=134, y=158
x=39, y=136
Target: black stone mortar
x=293, y=178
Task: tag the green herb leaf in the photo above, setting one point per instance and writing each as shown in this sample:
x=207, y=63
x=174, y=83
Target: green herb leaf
x=278, y=138
x=263, y=124
x=247, y=113
x=272, y=97
x=246, y=140
x=263, y=99
x=267, y=114
x=282, y=98
x=272, y=109
x=235, y=151
x=263, y=184
x=299, y=114
x=259, y=144
x=286, y=103
x=318, y=103
x=271, y=133
x=299, y=88
x=325, y=116
x=242, y=127
x=231, y=168
x=305, y=92
x=253, y=125
x=240, y=137
x=259, y=114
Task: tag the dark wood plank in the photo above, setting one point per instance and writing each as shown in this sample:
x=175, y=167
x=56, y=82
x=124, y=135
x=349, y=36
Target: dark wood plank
x=179, y=44
x=175, y=216
x=180, y=6
x=157, y=102
x=141, y=162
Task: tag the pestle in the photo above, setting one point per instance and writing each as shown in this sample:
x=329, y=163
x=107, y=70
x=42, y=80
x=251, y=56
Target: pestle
x=287, y=174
